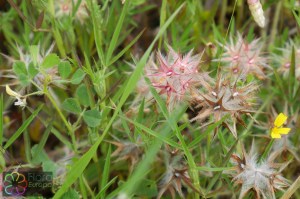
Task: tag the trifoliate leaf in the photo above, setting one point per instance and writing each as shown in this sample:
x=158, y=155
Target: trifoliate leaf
x=50, y=61
x=71, y=105
x=32, y=71
x=92, y=118
x=24, y=80
x=64, y=69
x=34, y=53
x=82, y=95
x=77, y=76
x=19, y=68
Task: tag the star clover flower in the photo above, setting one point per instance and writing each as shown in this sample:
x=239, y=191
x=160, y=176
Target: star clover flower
x=222, y=98
x=261, y=177
x=243, y=58
x=174, y=76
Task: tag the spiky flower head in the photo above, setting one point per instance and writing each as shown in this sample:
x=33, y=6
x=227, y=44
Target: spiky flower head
x=175, y=176
x=224, y=97
x=174, y=76
x=128, y=151
x=284, y=60
x=242, y=58
x=262, y=177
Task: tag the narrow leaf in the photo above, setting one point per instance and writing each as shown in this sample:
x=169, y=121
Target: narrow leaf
x=106, y=169
x=40, y=20
x=23, y=127
x=116, y=34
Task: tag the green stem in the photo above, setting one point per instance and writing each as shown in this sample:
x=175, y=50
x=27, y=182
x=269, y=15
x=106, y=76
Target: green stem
x=227, y=32
x=267, y=150
x=275, y=23
x=191, y=163
x=163, y=16
x=69, y=127
x=240, y=13
x=34, y=93
x=55, y=31
x=223, y=13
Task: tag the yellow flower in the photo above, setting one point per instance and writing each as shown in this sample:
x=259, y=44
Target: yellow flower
x=21, y=100
x=277, y=130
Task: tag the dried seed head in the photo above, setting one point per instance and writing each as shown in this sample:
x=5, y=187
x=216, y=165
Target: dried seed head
x=126, y=150
x=176, y=175
x=261, y=177
x=222, y=98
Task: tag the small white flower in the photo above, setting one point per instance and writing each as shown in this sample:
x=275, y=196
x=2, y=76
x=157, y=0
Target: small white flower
x=21, y=100
x=235, y=94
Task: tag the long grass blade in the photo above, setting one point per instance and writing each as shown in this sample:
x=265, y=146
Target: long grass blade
x=22, y=128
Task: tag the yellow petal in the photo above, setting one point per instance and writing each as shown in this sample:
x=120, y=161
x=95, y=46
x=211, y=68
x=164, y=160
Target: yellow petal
x=11, y=92
x=275, y=135
x=280, y=119
x=283, y=130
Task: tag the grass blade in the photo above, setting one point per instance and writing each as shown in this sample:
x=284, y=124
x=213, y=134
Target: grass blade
x=120, y=54
x=209, y=129
x=44, y=138
x=105, y=175
x=293, y=188
x=23, y=127
x=106, y=187
x=215, y=169
x=153, y=133
x=114, y=39
x=96, y=18
x=143, y=168
x=292, y=74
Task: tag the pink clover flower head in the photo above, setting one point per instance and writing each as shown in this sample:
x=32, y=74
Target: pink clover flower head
x=243, y=58
x=175, y=75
